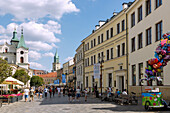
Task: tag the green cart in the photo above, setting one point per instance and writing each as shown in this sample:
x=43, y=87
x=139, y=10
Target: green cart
x=152, y=100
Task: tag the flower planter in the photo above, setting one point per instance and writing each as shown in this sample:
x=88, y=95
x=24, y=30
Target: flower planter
x=13, y=99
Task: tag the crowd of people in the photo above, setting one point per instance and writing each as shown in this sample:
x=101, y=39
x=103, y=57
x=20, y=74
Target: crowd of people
x=73, y=94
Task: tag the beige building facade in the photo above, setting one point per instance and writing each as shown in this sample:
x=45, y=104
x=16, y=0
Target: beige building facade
x=107, y=41
x=147, y=21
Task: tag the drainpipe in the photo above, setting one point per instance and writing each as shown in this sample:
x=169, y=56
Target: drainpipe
x=127, y=61
x=83, y=67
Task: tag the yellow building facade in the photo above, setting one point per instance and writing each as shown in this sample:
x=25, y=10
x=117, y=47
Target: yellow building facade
x=107, y=40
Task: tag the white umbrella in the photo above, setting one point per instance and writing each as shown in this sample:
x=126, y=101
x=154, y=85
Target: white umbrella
x=11, y=79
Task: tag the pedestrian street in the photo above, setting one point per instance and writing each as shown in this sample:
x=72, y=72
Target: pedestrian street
x=62, y=105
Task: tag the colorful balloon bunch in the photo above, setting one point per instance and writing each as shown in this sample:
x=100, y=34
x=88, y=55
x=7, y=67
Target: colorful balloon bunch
x=162, y=56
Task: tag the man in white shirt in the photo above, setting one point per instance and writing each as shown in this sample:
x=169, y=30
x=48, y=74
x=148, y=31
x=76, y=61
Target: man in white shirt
x=58, y=91
x=45, y=91
x=26, y=92
x=124, y=92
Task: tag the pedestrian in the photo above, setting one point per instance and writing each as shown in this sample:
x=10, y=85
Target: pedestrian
x=58, y=89
x=41, y=92
x=69, y=94
x=85, y=92
x=124, y=92
x=73, y=94
x=50, y=91
x=46, y=91
x=36, y=92
x=32, y=94
x=64, y=91
x=26, y=93
x=78, y=93
x=53, y=90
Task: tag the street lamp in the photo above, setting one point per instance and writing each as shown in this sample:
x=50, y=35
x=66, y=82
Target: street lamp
x=101, y=61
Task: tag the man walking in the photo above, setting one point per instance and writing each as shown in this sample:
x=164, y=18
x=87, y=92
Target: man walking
x=45, y=91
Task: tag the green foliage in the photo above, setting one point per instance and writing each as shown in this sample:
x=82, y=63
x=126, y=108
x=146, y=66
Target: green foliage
x=21, y=75
x=5, y=70
x=36, y=81
x=48, y=82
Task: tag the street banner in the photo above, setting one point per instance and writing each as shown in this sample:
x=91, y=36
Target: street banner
x=57, y=81
x=63, y=78
x=97, y=70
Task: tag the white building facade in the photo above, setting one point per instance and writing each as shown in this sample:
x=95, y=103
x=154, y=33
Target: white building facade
x=147, y=21
x=79, y=67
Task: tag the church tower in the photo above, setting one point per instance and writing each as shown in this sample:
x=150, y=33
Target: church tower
x=14, y=40
x=56, y=64
x=22, y=53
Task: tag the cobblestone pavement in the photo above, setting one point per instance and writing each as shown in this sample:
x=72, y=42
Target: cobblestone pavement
x=61, y=105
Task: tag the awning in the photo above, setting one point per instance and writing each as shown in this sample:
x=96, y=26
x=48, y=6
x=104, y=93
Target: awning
x=11, y=80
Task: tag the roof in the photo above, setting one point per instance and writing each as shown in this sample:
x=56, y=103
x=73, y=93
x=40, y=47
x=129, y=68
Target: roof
x=15, y=38
x=22, y=42
x=49, y=75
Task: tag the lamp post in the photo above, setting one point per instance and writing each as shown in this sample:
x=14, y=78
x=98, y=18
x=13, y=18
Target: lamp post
x=101, y=61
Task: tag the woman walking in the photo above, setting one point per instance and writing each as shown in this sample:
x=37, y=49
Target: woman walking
x=50, y=91
x=73, y=94
x=32, y=94
x=78, y=93
x=53, y=90
x=36, y=92
x=85, y=92
x=69, y=94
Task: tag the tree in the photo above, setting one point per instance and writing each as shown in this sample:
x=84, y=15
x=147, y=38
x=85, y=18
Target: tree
x=21, y=75
x=36, y=81
x=5, y=70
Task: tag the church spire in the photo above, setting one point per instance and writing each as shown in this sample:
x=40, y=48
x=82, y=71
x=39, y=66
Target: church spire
x=22, y=42
x=15, y=38
x=56, y=57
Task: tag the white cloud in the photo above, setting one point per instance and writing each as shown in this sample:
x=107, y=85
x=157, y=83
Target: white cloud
x=36, y=65
x=50, y=54
x=38, y=46
x=33, y=55
x=35, y=9
x=68, y=58
x=53, y=45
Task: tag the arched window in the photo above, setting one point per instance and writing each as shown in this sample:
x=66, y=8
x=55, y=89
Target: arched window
x=6, y=59
x=6, y=50
x=21, y=60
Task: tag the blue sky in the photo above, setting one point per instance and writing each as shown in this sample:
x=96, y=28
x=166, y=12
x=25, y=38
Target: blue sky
x=51, y=24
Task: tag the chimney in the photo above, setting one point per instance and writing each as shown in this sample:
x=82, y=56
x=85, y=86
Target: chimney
x=125, y=5
x=101, y=22
x=97, y=27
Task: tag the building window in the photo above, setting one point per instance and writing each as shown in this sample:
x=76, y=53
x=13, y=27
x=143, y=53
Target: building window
x=118, y=28
x=123, y=25
x=6, y=59
x=140, y=72
x=149, y=36
x=121, y=67
x=115, y=83
x=102, y=38
x=148, y=7
x=139, y=13
x=102, y=54
x=133, y=44
x=110, y=80
x=158, y=31
x=133, y=19
x=91, y=43
x=94, y=59
x=6, y=50
x=86, y=81
x=93, y=81
x=123, y=49
x=158, y=3
x=108, y=54
x=133, y=75
x=91, y=60
x=118, y=51
x=21, y=60
x=94, y=42
x=107, y=34
x=88, y=62
x=111, y=32
x=98, y=57
x=87, y=46
x=140, y=41
x=98, y=39
x=111, y=52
